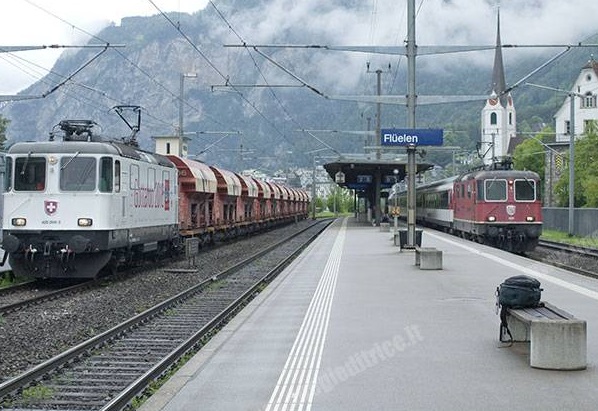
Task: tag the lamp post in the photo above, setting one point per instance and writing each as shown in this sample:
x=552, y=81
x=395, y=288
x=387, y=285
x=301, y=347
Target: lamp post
x=181, y=103
x=395, y=172
x=313, y=192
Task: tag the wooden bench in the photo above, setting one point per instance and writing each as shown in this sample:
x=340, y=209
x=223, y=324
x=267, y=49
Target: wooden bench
x=557, y=339
x=428, y=258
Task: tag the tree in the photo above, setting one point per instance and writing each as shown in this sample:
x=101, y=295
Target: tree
x=530, y=155
x=340, y=200
x=3, y=125
x=586, y=171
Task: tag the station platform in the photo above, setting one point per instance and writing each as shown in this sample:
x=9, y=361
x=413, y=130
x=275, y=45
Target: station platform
x=353, y=324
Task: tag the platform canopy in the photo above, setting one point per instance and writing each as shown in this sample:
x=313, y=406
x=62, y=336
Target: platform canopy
x=360, y=174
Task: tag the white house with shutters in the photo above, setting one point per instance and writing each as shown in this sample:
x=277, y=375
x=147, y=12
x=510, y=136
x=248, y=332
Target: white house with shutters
x=585, y=90
x=585, y=109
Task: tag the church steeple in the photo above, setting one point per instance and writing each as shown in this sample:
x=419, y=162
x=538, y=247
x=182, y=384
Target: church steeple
x=498, y=115
x=499, y=84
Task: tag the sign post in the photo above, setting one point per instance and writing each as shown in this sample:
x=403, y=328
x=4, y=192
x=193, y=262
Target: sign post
x=411, y=138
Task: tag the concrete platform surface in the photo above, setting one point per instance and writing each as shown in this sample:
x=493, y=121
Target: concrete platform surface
x=353, y=324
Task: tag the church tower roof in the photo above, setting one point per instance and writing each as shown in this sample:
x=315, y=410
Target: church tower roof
x=499, y=84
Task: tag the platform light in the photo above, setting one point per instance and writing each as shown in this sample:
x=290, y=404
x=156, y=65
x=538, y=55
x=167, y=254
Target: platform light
x=19, y=222
x=84, y=222
x=491, y=218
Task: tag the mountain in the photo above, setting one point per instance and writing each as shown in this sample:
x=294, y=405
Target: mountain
x=265, y=123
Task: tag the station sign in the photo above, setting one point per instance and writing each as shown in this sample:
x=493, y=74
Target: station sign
x=411, y=137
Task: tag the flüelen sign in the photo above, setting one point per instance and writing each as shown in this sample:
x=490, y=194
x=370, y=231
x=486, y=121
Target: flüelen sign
x=411, y=137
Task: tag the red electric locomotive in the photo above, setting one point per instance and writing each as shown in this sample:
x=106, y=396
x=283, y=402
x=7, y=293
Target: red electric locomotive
x=501, y=208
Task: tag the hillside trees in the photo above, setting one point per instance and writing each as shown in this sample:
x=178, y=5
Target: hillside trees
x=3, y=125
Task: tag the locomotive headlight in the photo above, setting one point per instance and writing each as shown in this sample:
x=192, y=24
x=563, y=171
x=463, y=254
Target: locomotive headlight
x=19, y=221
x=491, y=218
x=84, y=222
x=530, y=218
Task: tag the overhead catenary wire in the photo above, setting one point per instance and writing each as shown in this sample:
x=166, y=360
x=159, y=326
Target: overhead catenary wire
x=275, y=96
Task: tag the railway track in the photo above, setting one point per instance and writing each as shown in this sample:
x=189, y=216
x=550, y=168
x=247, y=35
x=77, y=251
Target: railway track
x=579, y=259
x=36, y=292
x=110, y=370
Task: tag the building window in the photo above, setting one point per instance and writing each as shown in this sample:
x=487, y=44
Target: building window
x=510, y=119
x=589, y=101
x=493, y=118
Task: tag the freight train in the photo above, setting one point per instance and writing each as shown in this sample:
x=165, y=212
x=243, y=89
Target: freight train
x=80, y=205
x=499, y=206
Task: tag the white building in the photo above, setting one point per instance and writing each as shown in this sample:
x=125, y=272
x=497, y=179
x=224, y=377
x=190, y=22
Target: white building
x=584, y=110
x=585, y=89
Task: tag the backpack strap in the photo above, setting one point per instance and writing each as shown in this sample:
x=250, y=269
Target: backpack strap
x=504, y=325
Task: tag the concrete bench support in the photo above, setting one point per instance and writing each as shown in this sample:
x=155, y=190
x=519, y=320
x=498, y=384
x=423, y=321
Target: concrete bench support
x=428, y=258
x=558, y=341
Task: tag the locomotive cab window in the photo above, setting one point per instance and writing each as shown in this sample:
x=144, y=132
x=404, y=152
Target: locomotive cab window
x=496, y=190
x=30, y=174
x=8, y=175
x=525, y=190
x=78, y=173
x=106, y=175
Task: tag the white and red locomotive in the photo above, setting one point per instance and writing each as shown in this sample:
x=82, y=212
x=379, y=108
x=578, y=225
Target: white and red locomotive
x=76, y=206
x=497, y=207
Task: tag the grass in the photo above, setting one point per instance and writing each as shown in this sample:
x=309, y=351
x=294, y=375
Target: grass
x=6, y=281
x=562, y=237
x=37, y=393
x=329, y=214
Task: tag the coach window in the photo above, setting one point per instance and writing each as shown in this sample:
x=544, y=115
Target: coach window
x=525, y=190
x=117, y=176
x=106, y=175
x=30, y=174
x=496, y=190
x=444, y=200
x=77, y=173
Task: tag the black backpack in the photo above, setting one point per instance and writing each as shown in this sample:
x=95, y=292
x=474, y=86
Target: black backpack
x=519, y=291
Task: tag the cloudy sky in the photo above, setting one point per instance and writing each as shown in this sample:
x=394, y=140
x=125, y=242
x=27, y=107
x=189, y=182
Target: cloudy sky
x=380, y=22
x=39, y=22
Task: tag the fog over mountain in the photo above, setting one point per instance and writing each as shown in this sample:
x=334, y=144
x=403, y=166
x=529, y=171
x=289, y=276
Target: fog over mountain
x=147, y=72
